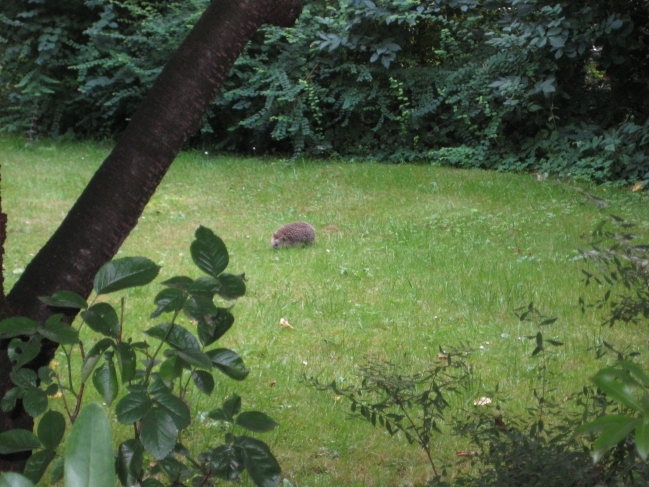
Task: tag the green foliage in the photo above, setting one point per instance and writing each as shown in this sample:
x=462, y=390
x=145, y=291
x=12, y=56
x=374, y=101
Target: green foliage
x=412, y=404
x=510, y=85
x=149, y=391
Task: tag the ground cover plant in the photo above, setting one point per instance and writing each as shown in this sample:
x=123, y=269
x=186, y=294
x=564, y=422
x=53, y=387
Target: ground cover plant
x=407, y=259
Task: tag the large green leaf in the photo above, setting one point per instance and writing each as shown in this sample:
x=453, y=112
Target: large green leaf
x=168, y=300
x=226, y=463
x=124, y=273
x=256, y=421
x=89, y=458
x=24, y=378
x=93, y=356
x=16, y=326
x=59, y=332
x=64, y=299
x=642, y=437
x=16, y=440
x=132, y=407
x=8, y=402
x=209, y=252
x=612, y=435
x=22, y=352
x=10, y=479
x=178, y=337
x=130, y=456
x=228, y=362
x=175, y=408
x=35, y=402
x=195, y=357
x=205, y=286
x=616, y=384
x=232, y=405
x=260, y=463
x=37, y=464
x=158, y=433
x=170, y=370
x=51, y=429
x=231, y=286
x=102, y=318
x=126, y=360
x=179, y=282
x=204, y=381
x=57, y=470
x=105, y=380
x=214, y=326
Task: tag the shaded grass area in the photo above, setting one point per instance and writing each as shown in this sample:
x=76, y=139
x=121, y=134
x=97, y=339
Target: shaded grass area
x=408, y=259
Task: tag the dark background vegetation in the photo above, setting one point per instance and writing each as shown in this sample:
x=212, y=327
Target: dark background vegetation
x=509, y=85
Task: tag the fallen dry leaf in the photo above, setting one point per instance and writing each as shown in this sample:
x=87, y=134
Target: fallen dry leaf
x=272, y=383
x=464, y=453
x=442, y=356
x=483, y=401
x=637, y=187
x=285, y=324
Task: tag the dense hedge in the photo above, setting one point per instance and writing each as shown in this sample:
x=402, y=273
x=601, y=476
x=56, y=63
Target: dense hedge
x=510, y=84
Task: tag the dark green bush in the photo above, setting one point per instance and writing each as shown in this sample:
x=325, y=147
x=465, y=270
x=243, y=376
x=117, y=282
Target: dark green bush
x=508, y=85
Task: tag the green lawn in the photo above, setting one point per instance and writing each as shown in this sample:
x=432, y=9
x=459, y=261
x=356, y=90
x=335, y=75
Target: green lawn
x=408, y=258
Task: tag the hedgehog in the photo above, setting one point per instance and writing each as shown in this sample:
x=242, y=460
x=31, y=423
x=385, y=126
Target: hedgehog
x=292, y=235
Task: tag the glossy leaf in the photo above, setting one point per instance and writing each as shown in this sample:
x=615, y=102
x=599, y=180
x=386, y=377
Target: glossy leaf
x=8, y=402
x=35, y=402
x=642, y=437
x=209, y=252
x=17, y=440
x=89, y=450
x=132, y=407
x=232, y=405
x=22, y=352
x=256, y=421
x=204, y=381
x=130, y=456
x=105, y=380
x=175, y=408
x=167, y=300
x=102, y=318
x=214, y=326
x=57, y=470
x=178, y=337
x=125, y=273
x=170, y=370
x=126, y=361
x=612, y=435
x=228, y=362
x=232, y=286
x=64, y=299
x=10, y=479
x=615, y=383
x=179, y=282
x=46, y=375
x=24, y=378
x=158, y=434
x=60, y=333
x=151, y=482
x=206, y=286
x=16, y=326
x=196, y=358
x=37, y=464
x=93, y=356
x=51, y=429
x=226, y=463
x=260, y=463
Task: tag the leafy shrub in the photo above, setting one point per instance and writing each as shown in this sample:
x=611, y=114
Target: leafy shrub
x=154, y=385
x=520, y=85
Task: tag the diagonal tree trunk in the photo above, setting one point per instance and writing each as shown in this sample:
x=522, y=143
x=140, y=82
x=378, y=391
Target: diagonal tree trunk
x=111, y=204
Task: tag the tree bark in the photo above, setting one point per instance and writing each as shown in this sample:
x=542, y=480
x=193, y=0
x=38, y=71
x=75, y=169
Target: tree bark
x=109, y=207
